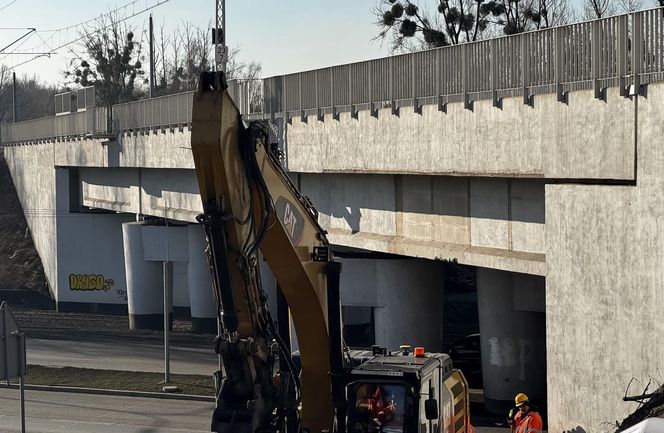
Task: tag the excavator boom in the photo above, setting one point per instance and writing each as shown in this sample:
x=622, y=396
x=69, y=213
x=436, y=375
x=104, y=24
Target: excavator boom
x=250, y=204
x=252, y=210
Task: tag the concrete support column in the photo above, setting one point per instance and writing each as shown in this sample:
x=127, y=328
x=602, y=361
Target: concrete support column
x=201, y=298
x=407, y=295
x=512, y=337
x=144, y=282
x=181, y=289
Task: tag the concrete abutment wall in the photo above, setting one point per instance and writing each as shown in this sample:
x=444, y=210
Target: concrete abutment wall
x=605, y=286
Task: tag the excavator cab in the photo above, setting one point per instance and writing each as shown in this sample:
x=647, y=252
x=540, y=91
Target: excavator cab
x=400, y=392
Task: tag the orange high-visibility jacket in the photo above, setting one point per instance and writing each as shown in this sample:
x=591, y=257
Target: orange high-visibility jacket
x=528, y=423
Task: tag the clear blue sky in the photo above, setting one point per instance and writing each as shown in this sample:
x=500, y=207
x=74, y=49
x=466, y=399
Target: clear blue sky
x=284, y=36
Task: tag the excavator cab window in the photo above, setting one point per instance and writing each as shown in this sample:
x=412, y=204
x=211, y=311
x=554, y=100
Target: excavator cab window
x=377, y=408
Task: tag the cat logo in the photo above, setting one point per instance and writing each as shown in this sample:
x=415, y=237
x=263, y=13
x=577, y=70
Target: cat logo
x=291, y=218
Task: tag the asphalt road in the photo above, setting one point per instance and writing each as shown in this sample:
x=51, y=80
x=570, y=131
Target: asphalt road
x=120, y=355
x=54, y=412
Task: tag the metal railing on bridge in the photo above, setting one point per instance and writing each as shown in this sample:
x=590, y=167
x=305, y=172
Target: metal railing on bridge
x=91, y=122
x=615, y=51
x=170, y=110
x=160, y=112
x=618, y=51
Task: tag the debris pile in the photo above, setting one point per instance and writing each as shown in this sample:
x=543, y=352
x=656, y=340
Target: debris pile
x=652, y=406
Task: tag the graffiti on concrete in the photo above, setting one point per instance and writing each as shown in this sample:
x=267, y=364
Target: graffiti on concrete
x=90, y=282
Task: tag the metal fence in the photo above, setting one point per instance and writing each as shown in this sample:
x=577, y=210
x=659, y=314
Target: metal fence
x=78, y=124
x=611, y=52
x=171, y=110
x=615, y=51
x=160, y=112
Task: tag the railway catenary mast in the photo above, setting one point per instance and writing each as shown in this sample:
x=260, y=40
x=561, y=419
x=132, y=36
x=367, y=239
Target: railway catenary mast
x=219, y=36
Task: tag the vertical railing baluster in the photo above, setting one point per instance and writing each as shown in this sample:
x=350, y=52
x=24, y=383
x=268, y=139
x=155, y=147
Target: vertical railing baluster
x=438, y=78
x=370, y=80
x=525, y=75
x=622, y=54
x=637, y=50
x=285, y=98
x=393, y=107
x=595, y=50
x=332, y=101
x=465, y=75
x=353, y=113
x=303, y=117
x=492, y=69
x=413, y=83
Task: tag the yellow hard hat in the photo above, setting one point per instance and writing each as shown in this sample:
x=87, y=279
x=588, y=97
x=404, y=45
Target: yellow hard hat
x=520, y=399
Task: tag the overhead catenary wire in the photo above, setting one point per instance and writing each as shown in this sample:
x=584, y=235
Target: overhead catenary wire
x=7, y=5
x=52, y=49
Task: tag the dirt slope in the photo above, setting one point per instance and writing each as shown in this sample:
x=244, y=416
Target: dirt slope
x=20, y=266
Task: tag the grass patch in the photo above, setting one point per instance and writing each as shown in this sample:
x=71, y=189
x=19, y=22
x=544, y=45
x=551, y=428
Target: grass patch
x=120, y=380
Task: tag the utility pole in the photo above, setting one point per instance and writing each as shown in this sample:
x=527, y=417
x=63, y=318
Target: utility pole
x=168, y=299
x=168, y=288
x=219, y=36
x=151, y=58
x=14, y=96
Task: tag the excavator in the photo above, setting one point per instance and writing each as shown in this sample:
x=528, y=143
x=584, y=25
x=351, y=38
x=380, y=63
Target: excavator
x=252, y=212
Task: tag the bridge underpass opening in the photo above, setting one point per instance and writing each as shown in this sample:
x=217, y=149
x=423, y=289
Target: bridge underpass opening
x=512, y=324
x=491, y=322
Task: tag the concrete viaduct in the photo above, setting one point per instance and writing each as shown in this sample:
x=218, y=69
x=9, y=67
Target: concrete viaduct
x=536, y=158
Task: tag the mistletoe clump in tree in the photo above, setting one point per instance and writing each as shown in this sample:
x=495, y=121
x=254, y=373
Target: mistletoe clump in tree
x=111, y=63
x=409, y=25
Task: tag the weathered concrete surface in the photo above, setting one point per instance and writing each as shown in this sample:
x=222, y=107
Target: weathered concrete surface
x=70, y=244
x=586, y=138
x=32, y=171
x=385, y=285
x=605, y=286
x=490, y=222
x=163, y=149
x=167, y=193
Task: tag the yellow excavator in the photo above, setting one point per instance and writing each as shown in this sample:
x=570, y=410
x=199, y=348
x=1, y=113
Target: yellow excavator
x=252, y=211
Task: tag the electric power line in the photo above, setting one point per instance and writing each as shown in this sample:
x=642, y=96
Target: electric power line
x=53, y=48
x=28, y=33
x=7, y=5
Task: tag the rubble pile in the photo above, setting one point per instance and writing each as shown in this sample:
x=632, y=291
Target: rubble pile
x=652, y=407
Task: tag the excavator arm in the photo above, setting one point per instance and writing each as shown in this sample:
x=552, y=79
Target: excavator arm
x=250, y=205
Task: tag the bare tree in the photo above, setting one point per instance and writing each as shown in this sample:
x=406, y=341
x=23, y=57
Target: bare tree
x=111, y=63
x=180, y=59
x=594, y=9
x=161, y=66
x=249, y=73
x=34, y=98
x=631, y=5
x=5, y=94
x=557, y=12
x=197, y=53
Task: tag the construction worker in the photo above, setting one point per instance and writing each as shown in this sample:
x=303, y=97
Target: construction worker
x=526, y=419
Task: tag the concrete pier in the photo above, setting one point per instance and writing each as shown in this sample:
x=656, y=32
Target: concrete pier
x=512, y=337
x=144, y=282
x=203, y=306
